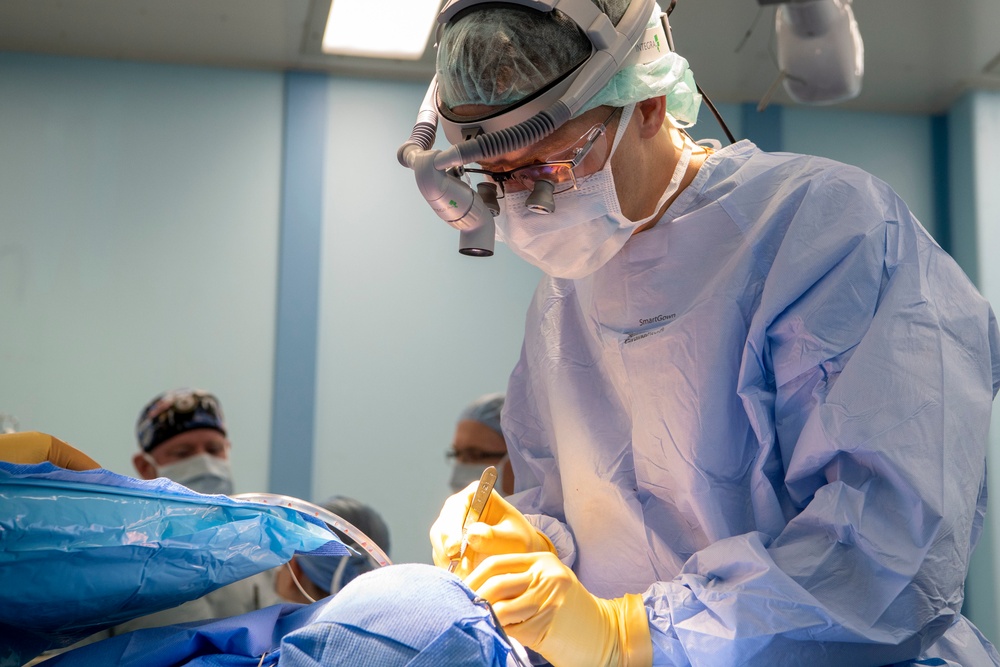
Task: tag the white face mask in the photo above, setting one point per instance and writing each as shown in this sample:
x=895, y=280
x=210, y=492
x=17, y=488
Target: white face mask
x=587, y=227
x=463, y=474
x=203, y=473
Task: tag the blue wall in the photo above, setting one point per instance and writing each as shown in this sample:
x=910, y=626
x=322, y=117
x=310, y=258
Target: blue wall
x=974, y=131
x=410, y=330
x=138, y=228
x=897, y=148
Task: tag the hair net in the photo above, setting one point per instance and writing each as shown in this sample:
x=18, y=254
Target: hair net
x=499, y=56
x=668, y=75
x=321, y=569
x=485, y=410
x=412, y=615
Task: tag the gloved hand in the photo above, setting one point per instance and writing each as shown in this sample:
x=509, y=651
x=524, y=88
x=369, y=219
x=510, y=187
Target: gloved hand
x=540, y=603
x=501, y=529
x=34, y=447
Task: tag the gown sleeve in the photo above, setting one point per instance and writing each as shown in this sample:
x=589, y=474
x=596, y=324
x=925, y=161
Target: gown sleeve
x=869, y=372
x=870, y=366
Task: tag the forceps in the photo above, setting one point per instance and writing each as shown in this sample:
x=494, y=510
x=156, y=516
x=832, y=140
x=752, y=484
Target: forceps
x=475, y=510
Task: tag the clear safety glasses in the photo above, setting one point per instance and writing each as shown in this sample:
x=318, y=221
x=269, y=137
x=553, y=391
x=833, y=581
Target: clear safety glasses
x=586, y=156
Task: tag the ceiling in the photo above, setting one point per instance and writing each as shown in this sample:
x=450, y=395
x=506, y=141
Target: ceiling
x=919, y=57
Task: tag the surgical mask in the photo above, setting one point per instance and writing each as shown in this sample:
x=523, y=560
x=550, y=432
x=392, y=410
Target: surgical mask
x=587, y=227
x=203, y=473
x=349, y=568
x=463, y=474
x=331, y=574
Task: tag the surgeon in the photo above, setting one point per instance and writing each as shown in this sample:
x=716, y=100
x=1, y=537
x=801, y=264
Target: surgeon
x=478, y=443
x=749, y=421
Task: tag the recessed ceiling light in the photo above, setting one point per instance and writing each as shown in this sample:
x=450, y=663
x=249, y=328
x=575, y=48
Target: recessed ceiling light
x=385, y=29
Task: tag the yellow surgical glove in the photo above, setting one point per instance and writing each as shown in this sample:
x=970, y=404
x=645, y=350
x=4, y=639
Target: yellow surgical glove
x=501, y=529
x=542, y=604
x=34, y=447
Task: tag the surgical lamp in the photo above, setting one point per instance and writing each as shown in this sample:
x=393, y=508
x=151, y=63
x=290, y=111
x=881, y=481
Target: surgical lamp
x=820, y=52
x=439, y=172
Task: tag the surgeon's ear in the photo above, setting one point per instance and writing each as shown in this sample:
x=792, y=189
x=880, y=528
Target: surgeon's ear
x=143, y=467
x=651, y=114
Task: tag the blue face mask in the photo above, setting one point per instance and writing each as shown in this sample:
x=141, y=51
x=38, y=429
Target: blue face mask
x=331, y=573
x=347, y=570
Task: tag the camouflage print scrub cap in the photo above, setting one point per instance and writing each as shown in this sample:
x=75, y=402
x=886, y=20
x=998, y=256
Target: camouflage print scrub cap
x=497, y=56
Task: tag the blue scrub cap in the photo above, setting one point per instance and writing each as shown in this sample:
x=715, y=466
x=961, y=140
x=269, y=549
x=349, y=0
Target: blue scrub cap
x=321, y=569
x=485, y=410
x=497, y=56
x=411, y=615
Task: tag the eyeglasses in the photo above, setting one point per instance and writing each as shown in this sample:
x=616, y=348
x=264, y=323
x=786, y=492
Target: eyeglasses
x=473, y=455
x=560, y=169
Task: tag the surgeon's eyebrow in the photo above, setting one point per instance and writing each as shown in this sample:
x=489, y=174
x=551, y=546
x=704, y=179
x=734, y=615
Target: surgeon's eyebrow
x=538, y=151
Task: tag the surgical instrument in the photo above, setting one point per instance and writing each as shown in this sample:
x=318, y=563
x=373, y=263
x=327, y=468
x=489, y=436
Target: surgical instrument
x=479, y=500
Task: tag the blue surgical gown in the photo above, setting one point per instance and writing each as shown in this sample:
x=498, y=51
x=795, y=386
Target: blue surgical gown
x=409, y=614
x=768, y=414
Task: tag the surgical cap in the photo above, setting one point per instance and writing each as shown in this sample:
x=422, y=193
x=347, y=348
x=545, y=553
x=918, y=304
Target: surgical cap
x=320, y=569
x=485, y=410
x=498, y=56
x=174, y=412
x=408, y=614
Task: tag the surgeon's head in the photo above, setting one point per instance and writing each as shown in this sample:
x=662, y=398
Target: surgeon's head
x=601, y=176
x=182, y=436
x=478, y=442
x=316, y=577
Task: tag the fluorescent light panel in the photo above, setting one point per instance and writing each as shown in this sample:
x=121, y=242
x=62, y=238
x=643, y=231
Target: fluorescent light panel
x=382, y=29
